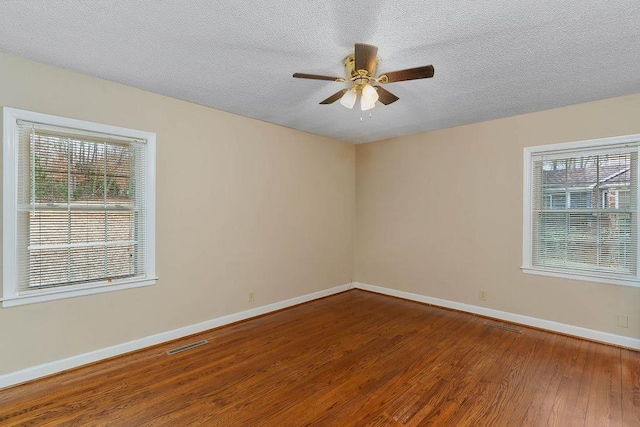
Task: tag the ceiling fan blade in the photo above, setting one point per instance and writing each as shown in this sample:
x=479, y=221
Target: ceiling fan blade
x=318, y=77
x=385, y=96
x=333, y=98
x=365, y=57
x=408, y=74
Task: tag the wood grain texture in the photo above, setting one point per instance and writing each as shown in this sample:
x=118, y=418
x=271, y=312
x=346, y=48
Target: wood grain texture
x=355, y=358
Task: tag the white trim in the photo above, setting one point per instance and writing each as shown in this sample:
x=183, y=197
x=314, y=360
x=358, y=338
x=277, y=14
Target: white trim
x=64, y=292
x=9, y=203
x=578, y=276
x=11, y=295
x=586, y=144
x=535, y=322
x=56, y=366
x=150, y=208
x=82, y=125
x=526, y=209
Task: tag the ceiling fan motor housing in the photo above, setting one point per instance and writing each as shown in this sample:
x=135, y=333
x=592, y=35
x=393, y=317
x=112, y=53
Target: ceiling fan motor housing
x=355, y=75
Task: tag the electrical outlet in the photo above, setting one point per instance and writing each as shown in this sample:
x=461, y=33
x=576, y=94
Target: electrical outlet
x=623, y=321
x=251, y=296
x=483, y=295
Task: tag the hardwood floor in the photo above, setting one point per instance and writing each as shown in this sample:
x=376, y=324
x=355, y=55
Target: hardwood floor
x=352, y=359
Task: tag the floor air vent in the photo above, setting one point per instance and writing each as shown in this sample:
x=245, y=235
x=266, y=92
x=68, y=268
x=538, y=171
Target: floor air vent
x=187, y=347
x=503, y=327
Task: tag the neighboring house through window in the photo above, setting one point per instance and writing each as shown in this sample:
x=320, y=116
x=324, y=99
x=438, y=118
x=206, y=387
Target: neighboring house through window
x=581, y=210
x=78, y=208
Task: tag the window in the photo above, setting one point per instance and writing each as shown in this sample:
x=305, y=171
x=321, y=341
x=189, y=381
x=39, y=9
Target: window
x=78, y=208
x=581, y=218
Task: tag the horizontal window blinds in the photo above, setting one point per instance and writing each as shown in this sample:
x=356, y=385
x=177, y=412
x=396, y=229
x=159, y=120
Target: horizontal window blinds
x=81, y=199
x=584, y=211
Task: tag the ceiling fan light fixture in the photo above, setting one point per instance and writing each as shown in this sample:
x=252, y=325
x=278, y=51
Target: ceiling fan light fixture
x=364, y=105
x=369, y=97
x=349, y=99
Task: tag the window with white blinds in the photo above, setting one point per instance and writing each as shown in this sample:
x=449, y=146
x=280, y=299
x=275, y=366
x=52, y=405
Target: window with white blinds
x=581, y=210
x=81, y=207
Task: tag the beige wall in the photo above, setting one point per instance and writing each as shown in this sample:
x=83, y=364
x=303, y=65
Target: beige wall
x=440, y=214
x=242, y=206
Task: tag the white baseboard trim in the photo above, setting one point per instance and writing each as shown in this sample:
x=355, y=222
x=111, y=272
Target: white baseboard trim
x=56, y=366
x=549, y=325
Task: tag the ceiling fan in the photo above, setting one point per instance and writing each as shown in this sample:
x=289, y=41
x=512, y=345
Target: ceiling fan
x=361, y=70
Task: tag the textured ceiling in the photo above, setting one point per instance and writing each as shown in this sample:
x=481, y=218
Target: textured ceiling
x=493, y=58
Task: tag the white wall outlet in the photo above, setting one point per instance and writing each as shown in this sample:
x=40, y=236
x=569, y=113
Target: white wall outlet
x=623, y=321
x=483, y=295
x=251, y=296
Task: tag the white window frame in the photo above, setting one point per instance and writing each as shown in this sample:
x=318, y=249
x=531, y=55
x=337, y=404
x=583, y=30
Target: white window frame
x=11, y=294
x=527, y=239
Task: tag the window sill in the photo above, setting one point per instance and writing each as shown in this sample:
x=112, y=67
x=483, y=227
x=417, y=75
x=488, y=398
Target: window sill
x=582, y=277
x=57, y=294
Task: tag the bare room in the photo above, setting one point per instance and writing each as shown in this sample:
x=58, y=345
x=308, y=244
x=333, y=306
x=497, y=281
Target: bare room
x=335, y=213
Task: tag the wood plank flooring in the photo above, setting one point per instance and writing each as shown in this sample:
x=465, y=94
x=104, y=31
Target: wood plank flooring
x=352, y=359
